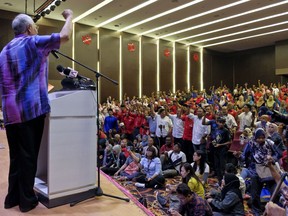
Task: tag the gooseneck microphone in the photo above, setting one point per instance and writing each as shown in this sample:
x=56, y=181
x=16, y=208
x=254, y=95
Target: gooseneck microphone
x=69, y=72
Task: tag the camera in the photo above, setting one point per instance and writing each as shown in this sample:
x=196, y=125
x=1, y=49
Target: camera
x=214, y=143
x=278, y=117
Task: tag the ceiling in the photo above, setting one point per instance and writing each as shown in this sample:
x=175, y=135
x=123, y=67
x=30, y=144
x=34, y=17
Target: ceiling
x=205, y=23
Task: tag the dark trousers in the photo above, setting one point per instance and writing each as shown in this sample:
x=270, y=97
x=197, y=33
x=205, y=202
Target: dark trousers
x=187, y=148
x=24, y=141
x=158, y=180
x=109, y=170
x=220, y=160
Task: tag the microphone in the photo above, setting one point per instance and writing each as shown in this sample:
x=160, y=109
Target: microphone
x=54, y=53
x=69, y=72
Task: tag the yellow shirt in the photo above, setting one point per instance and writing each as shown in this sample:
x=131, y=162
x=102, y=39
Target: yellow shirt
x=196, y=187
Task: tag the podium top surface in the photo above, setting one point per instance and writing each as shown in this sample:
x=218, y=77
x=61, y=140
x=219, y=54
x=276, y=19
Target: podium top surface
x=73, y=103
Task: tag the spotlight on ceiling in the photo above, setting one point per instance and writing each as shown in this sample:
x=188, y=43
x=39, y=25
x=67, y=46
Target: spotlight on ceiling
x=52, y=8
x=38, y=16
x=47, y=11
x=57, y=3
x=43, y=13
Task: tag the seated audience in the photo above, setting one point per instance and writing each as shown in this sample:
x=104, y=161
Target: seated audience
x=167, y=146
x=172, y=160
x=229, y=201
x=150, y=144
x=130, y=168
x=117, y=160
x=230, y=168
x=190, y=178
x=151, y=171
x=200, y=166
x=191, y=203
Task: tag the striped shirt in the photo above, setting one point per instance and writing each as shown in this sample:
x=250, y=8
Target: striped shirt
x=24, y=77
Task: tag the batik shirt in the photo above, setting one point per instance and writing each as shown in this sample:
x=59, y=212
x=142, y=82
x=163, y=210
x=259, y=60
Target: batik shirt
x=24, y=77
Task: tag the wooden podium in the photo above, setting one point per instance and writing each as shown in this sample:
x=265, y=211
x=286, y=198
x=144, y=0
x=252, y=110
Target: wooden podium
x=67, y=159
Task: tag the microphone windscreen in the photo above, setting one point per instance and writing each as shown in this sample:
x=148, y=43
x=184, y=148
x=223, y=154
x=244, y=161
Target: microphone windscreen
x=66, y=71
x=60, y=68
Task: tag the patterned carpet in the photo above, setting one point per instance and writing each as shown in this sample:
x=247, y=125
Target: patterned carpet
x=152, y=206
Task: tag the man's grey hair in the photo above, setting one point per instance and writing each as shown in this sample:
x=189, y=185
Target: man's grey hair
x=21, y=23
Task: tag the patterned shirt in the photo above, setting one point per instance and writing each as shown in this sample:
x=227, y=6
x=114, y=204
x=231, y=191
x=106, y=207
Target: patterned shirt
x=197, y=206
x=24, y=77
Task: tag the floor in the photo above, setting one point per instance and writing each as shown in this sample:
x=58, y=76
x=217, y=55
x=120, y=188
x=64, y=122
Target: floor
x=96, y=206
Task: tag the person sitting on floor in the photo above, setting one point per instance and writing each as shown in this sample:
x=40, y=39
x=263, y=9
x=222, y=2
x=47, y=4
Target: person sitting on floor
x=130, y=168
x=190, y=178
x=230, y=168
x=150, y=144
x=118, y=159
x=151, y=174
x=167, y=146
x=229, y=201
x=191, y=204
x=172, y=160
x=200, y=166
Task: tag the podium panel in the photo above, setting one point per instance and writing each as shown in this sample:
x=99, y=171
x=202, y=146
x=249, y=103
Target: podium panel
x=68, y=153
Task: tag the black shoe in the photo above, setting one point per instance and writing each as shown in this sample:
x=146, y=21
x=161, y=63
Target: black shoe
x=8, y=206
x=26, y=209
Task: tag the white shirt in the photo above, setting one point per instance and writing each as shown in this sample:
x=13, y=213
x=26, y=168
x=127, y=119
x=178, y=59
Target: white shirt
x=199, y=130
x=206, y=170
x=178, y=126
x=230, y=121
x=175, y=156
x=244, y=119
x=166, y=125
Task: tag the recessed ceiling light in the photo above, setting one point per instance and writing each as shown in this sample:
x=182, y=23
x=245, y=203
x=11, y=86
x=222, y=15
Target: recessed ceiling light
x=8, y=4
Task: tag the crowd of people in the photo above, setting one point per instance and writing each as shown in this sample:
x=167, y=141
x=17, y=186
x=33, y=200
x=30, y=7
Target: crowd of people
x=190, y=134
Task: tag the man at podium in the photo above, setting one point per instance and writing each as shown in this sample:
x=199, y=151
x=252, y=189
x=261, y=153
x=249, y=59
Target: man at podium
x=24, y=88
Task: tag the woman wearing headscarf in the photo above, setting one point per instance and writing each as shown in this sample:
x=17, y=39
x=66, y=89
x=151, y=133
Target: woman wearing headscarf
x=261, y=148
x=117, y=161
x=270, y=103
x=229, y=201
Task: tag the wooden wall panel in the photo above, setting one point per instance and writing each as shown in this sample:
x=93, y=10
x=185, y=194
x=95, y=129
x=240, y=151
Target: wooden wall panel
x=253, y=65
x=166, y=65
x=149, y=66
x=195, y=68
x=84, y=53
x=181, y=67
x=207, y=71
x=109, y=63
x=130, y=65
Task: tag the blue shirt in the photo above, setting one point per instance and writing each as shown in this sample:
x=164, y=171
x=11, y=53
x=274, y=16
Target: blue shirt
x=151, y=167
x=110, y=122
x=24, y=77
x=152, y=123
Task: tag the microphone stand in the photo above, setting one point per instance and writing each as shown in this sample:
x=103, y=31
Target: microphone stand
x=97, y=191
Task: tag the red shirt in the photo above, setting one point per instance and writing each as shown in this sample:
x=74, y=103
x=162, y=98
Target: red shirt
x=233, y=113
x=129, y=123
x=166, y=148
x=188, y=127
